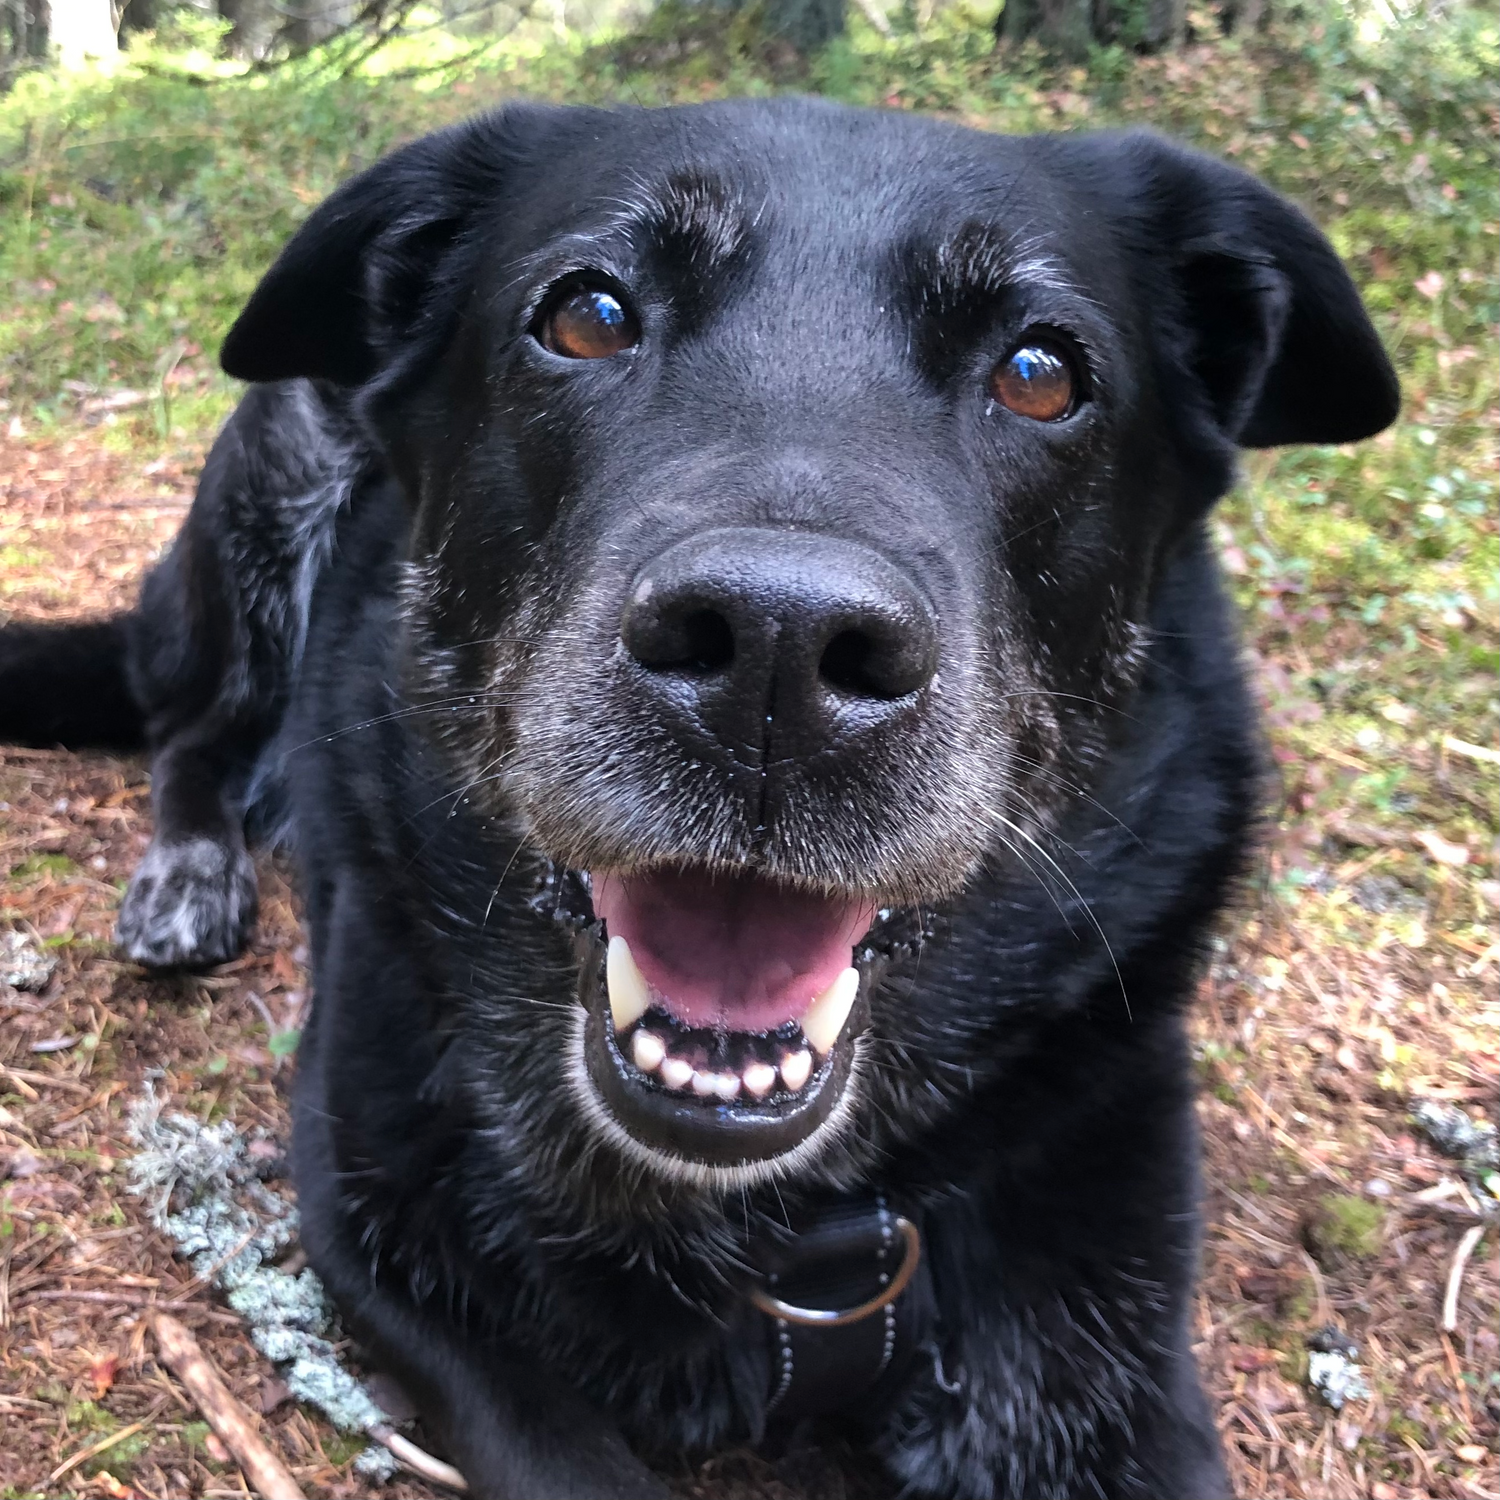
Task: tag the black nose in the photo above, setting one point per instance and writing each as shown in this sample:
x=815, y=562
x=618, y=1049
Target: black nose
x=753, y=626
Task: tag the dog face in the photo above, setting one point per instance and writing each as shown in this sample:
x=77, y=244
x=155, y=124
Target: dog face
x=789, y=487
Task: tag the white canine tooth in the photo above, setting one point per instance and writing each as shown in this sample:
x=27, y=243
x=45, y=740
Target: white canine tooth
x=726, y=1085
x=676, y=1072
x=629, y=999
x=796, y=1068
x=760, y=1079
x=826, y=1015
x=704, y=1084
x=647, y=1051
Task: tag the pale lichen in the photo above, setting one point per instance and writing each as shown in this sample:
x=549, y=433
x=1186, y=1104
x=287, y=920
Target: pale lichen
x=202, y=1187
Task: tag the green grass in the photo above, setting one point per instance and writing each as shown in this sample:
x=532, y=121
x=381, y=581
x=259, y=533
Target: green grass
x=136, y=214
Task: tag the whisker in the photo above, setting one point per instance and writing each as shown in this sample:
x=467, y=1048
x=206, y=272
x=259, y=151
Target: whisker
x=1088, y=910
x=1073, y=789
x=1075, y=697
x=451, y=705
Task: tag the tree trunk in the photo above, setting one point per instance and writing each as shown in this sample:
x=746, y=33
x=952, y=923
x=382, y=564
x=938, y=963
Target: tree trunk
x=1246, y=17
x=137, y=16
x=309, y=22
x=23, y=36
x=1062, y=26
x=805, y=24
x=1166, y=20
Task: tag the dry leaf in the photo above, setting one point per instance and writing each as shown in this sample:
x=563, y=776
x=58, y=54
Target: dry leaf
x=112, y=1487
x=1248, y=1360
x=102, y=1372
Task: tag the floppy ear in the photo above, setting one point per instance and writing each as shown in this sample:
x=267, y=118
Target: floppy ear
x=353, y=289
x=1277, y=334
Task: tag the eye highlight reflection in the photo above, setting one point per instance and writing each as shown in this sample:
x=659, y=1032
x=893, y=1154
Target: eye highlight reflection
x=588, y=323
x=1037, y=381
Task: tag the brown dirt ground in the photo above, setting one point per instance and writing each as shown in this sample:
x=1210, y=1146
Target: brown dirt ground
x=1313, y=1044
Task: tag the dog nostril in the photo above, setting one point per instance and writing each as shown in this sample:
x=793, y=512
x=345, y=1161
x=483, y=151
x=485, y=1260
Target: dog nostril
x=845, y=662
x=862, y=665
x=667, y=635
x=708, y=640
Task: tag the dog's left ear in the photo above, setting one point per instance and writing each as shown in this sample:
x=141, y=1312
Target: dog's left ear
x=1277, y=334
x=358, y=289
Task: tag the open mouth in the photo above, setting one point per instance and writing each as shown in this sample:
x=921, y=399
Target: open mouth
x=721, y=1009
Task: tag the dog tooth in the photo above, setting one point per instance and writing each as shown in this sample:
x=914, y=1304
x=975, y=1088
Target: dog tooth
x=727, y=1085
x=826, y=1015
x=704, y=1083
x=629, y=999
x=796, y=1068
x=760, y=1079
x=647, y=1051
x=676, y=1072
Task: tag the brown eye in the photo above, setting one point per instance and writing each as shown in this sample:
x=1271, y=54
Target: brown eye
x=1036, y=381
x=589, y=324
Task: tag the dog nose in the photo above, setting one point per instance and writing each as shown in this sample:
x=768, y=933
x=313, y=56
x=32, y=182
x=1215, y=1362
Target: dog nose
x=785, y=630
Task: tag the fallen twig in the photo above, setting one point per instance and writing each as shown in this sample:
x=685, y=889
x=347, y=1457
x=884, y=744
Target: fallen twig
x=1481, y=753
x=126, y=1299
x=93, y=1448
x=418, y=1461
x=181, y=1353
x=1456, y=1275
x=46, y=1080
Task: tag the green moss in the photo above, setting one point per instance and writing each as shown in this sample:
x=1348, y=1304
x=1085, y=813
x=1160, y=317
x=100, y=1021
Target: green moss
x=343, y=1447
x=89, y=1416
x=1403, y=1429
x=1347, y=1225
x=1297, y=1306
x=34, y=866
x=194, y=1435
x=119, y=1457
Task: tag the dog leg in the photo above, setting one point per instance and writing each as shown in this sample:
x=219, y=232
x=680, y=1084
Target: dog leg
x=511, y=1429
x=509, y=1426
x=192, y=899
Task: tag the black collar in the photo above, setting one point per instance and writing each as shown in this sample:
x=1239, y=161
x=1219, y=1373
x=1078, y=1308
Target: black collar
x=847, y=1297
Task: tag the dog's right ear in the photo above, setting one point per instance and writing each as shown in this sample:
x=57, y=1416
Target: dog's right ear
x=353, y=289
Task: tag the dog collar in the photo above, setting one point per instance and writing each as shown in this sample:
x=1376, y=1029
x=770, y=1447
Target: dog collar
x=846, y=1293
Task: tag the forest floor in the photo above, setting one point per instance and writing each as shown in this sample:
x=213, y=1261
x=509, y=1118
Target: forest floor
x=1356, y=981
x=1325, y=1205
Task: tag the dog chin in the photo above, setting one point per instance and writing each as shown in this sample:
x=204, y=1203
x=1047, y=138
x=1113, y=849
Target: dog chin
x=722, y=1015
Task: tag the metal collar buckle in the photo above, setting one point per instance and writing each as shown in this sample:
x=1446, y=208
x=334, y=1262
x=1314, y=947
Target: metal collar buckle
x=826, y=1317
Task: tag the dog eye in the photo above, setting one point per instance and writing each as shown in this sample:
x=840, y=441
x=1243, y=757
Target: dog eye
x=588, y=323
x=1036, y=381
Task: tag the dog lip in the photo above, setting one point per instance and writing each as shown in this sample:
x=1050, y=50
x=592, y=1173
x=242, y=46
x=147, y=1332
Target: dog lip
x=751, y=1129
x=706, y=1128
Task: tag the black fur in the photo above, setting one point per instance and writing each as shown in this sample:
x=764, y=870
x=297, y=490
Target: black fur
x=65, y=684
x=1062, y=809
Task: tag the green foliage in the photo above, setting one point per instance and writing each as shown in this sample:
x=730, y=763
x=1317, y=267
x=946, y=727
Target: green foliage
x=137, y=212
x=284, y=1043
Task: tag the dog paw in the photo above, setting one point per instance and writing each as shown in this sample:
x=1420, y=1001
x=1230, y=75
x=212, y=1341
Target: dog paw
x=189, y=904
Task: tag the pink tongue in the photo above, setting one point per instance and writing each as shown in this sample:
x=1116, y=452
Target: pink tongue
x=732, y=951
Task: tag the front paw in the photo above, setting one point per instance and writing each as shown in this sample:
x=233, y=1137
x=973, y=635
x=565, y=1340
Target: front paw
x=190, y=904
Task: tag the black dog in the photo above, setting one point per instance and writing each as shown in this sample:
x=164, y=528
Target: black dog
x=765, y=746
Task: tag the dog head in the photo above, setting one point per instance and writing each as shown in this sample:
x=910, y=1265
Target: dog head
x=790, y=485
